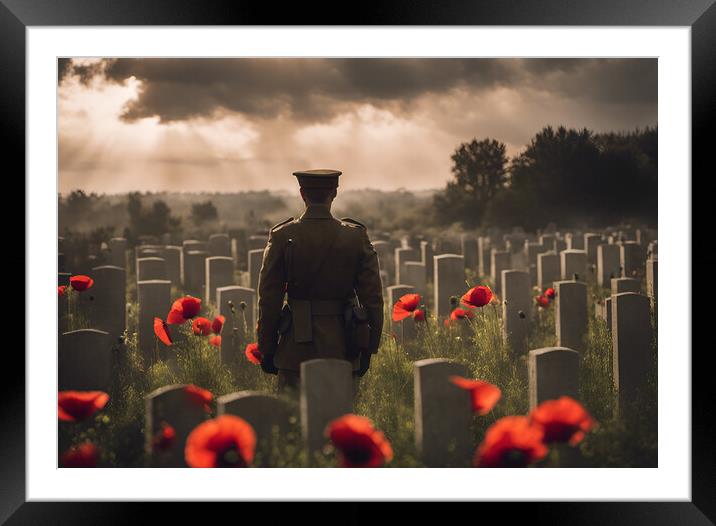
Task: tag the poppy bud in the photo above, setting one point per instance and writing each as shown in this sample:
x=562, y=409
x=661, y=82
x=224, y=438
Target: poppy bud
x=576, y=277
x=521, y=314
x=453, y=301
x=242, y=305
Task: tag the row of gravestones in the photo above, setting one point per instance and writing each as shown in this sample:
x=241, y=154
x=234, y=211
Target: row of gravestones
x=442, y=411
x=602, y=256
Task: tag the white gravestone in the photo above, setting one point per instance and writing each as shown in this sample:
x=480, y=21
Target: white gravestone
x=326, y=394
x=219, y=273
x=608, y=264
x=449, y=280
x=84, y=361
x=553, y=372
x=570, y=315
x=443, y=414
x=516, y=309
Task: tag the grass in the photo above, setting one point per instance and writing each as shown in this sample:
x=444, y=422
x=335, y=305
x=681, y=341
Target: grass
x=386, y=392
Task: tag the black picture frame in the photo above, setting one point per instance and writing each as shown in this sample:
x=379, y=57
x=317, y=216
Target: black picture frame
x=699, y=15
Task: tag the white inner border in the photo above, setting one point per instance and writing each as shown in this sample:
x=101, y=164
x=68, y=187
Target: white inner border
x=671, y=480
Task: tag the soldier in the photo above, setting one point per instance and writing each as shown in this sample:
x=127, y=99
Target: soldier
x=314, y=269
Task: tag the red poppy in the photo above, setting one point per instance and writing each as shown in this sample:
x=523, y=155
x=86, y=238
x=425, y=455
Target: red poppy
x=542, y=301
x=405, y=306
x=218, y=324
x=80, y=283
x=164, y=438
x=215, y=340
x=224, y=442
x=198, y=395
x=484, y=395
x=477, y=296
x=511, y=442
x=461, y=314
x=61, y=290
x=253, y=354
x=80, y=456
x=419, y=315
x=161, y=330
x=74, y=406
x=201, y=327
x=183, y=309
x=549, y=293
x=563, y=420
x=359, y=444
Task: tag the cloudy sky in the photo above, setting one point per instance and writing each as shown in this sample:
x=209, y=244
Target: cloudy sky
x=226, y=125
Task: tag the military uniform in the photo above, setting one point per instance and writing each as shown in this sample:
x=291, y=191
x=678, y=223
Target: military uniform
x=315, y=264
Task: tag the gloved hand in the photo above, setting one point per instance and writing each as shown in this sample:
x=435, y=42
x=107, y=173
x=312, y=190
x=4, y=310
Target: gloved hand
x=364, y=363
x=267, y=364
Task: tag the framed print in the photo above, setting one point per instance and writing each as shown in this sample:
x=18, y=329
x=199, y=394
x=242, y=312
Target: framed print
x=428, y=248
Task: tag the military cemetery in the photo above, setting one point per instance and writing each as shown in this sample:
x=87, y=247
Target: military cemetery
x=502, y=313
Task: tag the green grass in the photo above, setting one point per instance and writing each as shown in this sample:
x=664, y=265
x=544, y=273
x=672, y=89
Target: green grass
x=386, y=392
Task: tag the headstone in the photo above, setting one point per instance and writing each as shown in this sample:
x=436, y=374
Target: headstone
x=499, y=261
x=574, y=241
x=84, y=361
x=443, y=415
x=631, y=344
x=653, y=250
x=109, y=306
x=154, y=301
x=553, y=372
x=256, y=258
x=619, y=285
x=483, y=256
x=173, y=258
x=61, y=262
x=326, y=394
x=151, y=268
x=219, y=245
x=632, y=259
x=426, y=257
x=239, y=322
x=591, y=242
x=449, y=280
x=547, y=242
x=573, y=263
x=147, y=251
x=570, y=314
x=269, y=415
x=532, y=250
x=415, y=276
x=403, y=255
x=118, y=252
x=516, y=309
x=404, y=330
x=469, y=251
x=651, y=279
x=385, y=260
x=258, y=242
x=170, y=405
x=195, y=272
x=608, y=264
x=548, y=269
x=219, y=273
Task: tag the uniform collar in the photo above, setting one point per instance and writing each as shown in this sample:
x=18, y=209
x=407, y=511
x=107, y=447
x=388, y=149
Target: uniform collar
x=317, y=212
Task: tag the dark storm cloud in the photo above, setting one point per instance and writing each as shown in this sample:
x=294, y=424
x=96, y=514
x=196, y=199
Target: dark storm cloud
x=318, y=89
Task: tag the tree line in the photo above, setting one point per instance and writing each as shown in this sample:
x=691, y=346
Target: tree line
x=566, y=176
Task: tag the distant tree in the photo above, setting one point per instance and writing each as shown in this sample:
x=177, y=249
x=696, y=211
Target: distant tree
x=155, y=221
x=203, y=212
x=570, y=176
x=479, y=172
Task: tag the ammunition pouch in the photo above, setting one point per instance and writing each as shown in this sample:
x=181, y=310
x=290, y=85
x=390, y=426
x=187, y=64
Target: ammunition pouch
x=357, y=329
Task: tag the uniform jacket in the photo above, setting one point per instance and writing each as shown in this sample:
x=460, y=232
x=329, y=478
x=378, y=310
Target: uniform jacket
x=308, y=271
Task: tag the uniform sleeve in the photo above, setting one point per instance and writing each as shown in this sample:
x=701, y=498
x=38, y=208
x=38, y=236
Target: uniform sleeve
x=271, y=289
x=369, y=290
